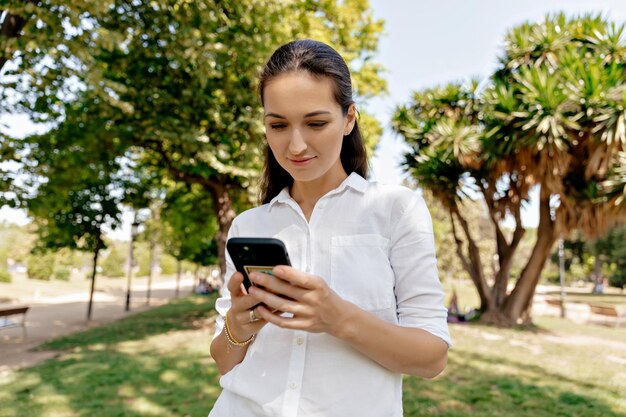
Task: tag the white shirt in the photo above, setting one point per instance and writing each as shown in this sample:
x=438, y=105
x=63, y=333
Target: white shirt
x=374, y=246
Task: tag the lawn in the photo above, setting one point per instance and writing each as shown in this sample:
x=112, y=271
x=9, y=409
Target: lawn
x=157, y=363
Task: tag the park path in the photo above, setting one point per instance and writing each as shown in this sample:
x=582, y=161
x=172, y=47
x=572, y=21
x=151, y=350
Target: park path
x=59, y=308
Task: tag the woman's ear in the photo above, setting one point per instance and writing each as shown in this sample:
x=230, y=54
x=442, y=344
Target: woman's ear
x=350, y=120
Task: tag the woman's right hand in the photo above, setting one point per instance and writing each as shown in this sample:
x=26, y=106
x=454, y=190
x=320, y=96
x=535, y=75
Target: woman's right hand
x=242, y=303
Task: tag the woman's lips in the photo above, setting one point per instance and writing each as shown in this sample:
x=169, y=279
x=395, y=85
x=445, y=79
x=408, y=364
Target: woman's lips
x=301, y=161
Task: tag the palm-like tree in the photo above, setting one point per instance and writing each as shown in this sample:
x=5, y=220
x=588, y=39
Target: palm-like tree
x=552, y=116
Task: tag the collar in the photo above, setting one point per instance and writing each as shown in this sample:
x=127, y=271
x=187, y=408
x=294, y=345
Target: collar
x=354, y=181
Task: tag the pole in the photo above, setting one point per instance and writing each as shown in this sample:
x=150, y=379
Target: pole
x=133, y=233
x=150, y=271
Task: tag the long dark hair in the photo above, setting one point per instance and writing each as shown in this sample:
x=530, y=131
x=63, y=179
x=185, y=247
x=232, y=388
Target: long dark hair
x=321, y=60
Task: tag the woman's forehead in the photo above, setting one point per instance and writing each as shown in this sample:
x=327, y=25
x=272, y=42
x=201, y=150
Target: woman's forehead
x=299, y=93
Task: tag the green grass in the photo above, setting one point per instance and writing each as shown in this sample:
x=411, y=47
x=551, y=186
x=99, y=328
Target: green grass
x=154, y=363
x=533, y=373
x=157, y=363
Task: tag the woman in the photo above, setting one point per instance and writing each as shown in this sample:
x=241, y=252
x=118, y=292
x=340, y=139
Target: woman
x=362, y=303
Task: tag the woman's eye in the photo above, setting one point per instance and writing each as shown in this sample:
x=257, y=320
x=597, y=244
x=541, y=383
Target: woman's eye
x=277, y=126
x=318, y=124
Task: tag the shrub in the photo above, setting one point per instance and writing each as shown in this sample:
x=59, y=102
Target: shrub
x=62, y=274
x=40, y=266
x=5, y=276
x=113, y=264
x=169, y=265
x=618, y=280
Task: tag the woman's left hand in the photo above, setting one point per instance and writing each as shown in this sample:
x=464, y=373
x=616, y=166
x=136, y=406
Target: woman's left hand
x=315, y=307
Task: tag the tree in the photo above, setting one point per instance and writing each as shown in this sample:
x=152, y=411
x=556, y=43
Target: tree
x=609, y=251
x=552, y=116
x=179, y=77
x=72, y=187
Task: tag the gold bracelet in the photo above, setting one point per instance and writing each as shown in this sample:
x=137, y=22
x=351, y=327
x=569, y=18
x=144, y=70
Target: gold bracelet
x=231, y=341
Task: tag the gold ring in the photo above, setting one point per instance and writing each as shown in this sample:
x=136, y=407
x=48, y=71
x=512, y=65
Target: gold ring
x=253, y=317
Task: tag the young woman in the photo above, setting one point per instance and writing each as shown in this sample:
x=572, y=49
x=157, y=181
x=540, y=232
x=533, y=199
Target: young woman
x=362, y=303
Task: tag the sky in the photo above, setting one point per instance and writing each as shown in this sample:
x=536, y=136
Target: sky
x=427, y=43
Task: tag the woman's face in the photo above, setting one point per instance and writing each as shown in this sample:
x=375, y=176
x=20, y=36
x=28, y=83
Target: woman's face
x=305, y=126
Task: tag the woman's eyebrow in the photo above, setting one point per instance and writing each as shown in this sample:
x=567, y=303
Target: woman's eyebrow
x=314, y=113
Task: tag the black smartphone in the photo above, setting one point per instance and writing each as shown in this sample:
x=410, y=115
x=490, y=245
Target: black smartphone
x=256, y=254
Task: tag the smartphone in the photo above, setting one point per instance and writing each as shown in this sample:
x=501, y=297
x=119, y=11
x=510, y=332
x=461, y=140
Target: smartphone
x=256, y=254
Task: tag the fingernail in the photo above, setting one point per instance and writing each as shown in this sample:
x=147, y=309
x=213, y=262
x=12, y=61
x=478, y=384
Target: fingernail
x=278, y=270
x=254, y=276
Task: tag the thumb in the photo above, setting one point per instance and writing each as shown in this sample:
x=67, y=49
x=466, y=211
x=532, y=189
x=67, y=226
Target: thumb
x=235, y=283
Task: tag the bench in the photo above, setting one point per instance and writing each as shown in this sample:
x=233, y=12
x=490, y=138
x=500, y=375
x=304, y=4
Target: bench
x=5, y=318
x=607, y=310
x=556, y=302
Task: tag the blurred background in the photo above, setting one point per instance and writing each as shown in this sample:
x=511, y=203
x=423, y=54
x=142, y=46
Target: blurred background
x=131, y=135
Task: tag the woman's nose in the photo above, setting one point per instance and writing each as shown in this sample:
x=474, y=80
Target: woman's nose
x=297, y=145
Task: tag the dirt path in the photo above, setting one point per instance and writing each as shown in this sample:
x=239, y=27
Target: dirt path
x=58, y=309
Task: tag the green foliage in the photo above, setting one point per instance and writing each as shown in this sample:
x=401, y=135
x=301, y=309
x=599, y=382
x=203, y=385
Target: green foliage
x=169, y=265
x=156, y=88
x=189, y=228
x=113, y=264
x=40, y=266
x=5, y=276
x=618, y=279
x=614, y=243
x=16, y=242
x=62, y=274
x=580, y=254
x=142, y=258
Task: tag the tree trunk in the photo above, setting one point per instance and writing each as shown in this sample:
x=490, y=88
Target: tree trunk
x=517, y=306
x=598, y=279
x=225, y=215
x=155, y=253
x=96, y=252
x=473, y=266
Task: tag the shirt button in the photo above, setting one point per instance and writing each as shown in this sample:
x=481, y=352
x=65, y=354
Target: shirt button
x=300, y=340
x=292, y=385
x=320, y=206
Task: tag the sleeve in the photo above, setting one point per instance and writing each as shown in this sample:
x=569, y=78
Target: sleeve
x=222, y=304
x=419, y=294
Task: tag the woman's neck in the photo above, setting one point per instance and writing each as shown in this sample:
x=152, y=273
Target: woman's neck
x=307, y=193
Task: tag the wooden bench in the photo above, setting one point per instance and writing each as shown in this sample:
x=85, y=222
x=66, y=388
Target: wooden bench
x=5, y=318
x=556, y=302
x=607, y=310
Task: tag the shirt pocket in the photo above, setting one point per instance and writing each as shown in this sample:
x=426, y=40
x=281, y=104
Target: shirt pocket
x=361, y=272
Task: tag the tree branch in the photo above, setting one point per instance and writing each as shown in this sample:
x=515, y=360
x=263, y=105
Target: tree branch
x=476, y=268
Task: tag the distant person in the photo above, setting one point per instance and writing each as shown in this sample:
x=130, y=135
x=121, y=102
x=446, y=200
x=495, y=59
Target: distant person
x=453, y=308
x=204, y=287
x=362, y=303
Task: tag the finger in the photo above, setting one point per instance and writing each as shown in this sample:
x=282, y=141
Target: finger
x=273, y=301
x=275, y=318
x=248, y=302
x=277, y=285
x=242, y=328
x=296, y=277
x=234, y=284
